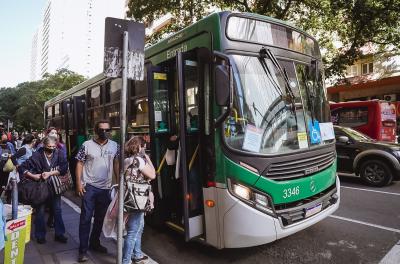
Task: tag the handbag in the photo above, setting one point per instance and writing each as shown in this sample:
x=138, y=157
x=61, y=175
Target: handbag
x=33, y=192
x=8, y=166
x=62, y=183
x=137, y=190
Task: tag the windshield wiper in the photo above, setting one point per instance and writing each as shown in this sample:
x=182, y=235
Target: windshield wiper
x=267, y=53
x=310, y=95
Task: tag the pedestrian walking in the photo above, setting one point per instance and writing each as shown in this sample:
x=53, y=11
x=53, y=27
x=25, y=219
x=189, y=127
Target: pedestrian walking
x=7, y=151
x=138, y=169
x=52, y=132
x=97, y=160
x=47, y=162
x=26, y=150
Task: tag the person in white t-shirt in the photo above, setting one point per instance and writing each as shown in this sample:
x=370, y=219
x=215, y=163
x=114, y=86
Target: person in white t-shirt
x=97, y=162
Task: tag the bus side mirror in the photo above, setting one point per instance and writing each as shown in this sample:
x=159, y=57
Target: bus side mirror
x=343, y=139
x=222, y=85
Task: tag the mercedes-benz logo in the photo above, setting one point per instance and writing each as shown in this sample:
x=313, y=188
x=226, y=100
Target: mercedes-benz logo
x=312, y=186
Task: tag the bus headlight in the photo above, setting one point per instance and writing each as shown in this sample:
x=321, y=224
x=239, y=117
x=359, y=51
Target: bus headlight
x=261, y=200
x=252, y=197
x=241, y=191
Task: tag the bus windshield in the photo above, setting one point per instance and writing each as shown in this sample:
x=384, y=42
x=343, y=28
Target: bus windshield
x=267, y=118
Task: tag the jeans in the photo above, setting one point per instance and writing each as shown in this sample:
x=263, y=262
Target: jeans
x=95, y=201
x=133, y=239
x=40, y=224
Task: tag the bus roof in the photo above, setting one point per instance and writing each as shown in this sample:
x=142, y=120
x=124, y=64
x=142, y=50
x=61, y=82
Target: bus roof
x=212, y=18
x=211, y=23
x=75, y=89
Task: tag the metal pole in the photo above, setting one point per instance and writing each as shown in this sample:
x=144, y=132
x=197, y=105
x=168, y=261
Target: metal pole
x=14, y=198
x=122, y=114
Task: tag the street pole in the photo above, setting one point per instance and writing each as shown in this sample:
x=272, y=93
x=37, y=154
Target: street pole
x=122, y=114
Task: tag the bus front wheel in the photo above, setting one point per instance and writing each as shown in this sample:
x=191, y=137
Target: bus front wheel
x=376, y=173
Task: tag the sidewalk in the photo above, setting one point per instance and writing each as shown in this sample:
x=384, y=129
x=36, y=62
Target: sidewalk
x=55, y=252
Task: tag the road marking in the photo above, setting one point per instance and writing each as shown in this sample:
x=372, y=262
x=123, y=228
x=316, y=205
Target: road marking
x=368, y=190
x=393, y=256
x=366, y=223
x=78, y=210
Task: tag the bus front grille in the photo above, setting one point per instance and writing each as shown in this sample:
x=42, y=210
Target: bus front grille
x=300, y=167
x=291, y=213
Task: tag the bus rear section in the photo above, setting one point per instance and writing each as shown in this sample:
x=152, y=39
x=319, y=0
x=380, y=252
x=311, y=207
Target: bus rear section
x=374, y=118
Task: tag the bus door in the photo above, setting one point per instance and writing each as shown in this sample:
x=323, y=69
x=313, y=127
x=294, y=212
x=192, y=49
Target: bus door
x=76, y=132
x=160, y=92
x=67, y=119
x=190, y=73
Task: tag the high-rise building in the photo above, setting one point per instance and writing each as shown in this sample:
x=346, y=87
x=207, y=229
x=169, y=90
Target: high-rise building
x=71, y=36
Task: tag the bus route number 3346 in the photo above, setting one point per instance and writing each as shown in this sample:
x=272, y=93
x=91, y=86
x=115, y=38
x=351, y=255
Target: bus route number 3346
x=289, y=192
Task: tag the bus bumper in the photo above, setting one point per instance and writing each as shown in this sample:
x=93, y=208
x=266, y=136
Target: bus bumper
x=244, y=226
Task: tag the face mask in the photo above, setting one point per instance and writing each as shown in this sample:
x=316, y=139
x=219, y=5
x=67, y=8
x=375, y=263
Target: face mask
x=48, y=150
x=102, y=133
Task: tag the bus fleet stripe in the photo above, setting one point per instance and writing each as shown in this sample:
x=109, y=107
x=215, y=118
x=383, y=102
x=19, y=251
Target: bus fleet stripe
x=366, y=223
x=368, y=190
x=393, y=256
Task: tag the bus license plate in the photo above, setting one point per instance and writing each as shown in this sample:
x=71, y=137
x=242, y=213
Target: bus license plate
x=313, y=210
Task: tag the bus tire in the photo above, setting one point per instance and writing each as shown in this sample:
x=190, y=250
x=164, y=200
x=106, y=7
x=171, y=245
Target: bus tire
x=376, y=173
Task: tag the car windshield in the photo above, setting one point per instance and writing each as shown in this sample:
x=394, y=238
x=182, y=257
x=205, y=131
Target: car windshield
x=355, y=135
x=267, y=116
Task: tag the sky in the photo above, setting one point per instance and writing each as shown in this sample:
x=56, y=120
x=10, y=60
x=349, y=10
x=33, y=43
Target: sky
x=19, y=20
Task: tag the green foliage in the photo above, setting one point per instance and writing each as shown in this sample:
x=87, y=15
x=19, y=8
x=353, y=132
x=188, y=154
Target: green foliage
x=24, y=103
x=353, y=23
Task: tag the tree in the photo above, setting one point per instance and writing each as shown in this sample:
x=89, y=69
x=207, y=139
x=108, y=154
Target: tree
x=24, y=103
x=352, y=23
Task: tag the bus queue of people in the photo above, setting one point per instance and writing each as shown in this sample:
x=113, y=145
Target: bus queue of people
x=39, y=159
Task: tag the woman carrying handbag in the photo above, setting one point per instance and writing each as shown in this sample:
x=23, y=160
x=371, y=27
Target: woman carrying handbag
x=41, y=166
x=139, y=170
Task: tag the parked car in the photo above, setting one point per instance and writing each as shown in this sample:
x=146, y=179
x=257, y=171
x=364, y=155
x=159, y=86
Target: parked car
x=376, y=162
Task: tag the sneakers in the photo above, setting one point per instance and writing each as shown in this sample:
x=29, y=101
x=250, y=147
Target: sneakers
x=141, y=260
x=98, y=248
x=61, y=239
x=82, y=257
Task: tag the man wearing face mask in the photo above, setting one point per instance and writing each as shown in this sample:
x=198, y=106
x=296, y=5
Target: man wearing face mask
x=97, y=161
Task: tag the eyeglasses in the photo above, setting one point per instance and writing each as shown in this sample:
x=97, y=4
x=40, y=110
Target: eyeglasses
x=104, y=130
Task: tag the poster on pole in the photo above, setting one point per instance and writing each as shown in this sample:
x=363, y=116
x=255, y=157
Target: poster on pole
x=113, y=41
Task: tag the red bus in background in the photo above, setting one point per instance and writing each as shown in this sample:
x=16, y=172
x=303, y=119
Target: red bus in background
x=374, y=118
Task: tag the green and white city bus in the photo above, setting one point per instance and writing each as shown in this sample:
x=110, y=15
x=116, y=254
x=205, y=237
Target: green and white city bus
x=245, y=95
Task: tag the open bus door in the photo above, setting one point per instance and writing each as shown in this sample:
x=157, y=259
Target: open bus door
x=192, y=77
x=176, y=99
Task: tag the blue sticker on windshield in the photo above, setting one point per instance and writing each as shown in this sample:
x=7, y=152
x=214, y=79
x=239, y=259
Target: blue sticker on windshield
x=315, y=132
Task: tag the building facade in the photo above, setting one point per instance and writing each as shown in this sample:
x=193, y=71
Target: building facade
x=374, y=76
x=71, y=36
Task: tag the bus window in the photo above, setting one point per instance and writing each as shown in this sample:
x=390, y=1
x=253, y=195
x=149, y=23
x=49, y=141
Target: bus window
x=139, y=113
x=113, y=90
x=112, y=114
x=93, y=116
x=139, y=88
x=56, y=109
x=161, y=105
x=353, y=117
x=94, y=96
x=49, y=112
x=192, y=102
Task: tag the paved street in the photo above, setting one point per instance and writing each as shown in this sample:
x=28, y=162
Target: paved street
x=364, y=229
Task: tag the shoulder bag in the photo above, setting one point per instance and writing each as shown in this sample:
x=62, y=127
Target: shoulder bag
x=137, y=190
x=60, y=184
